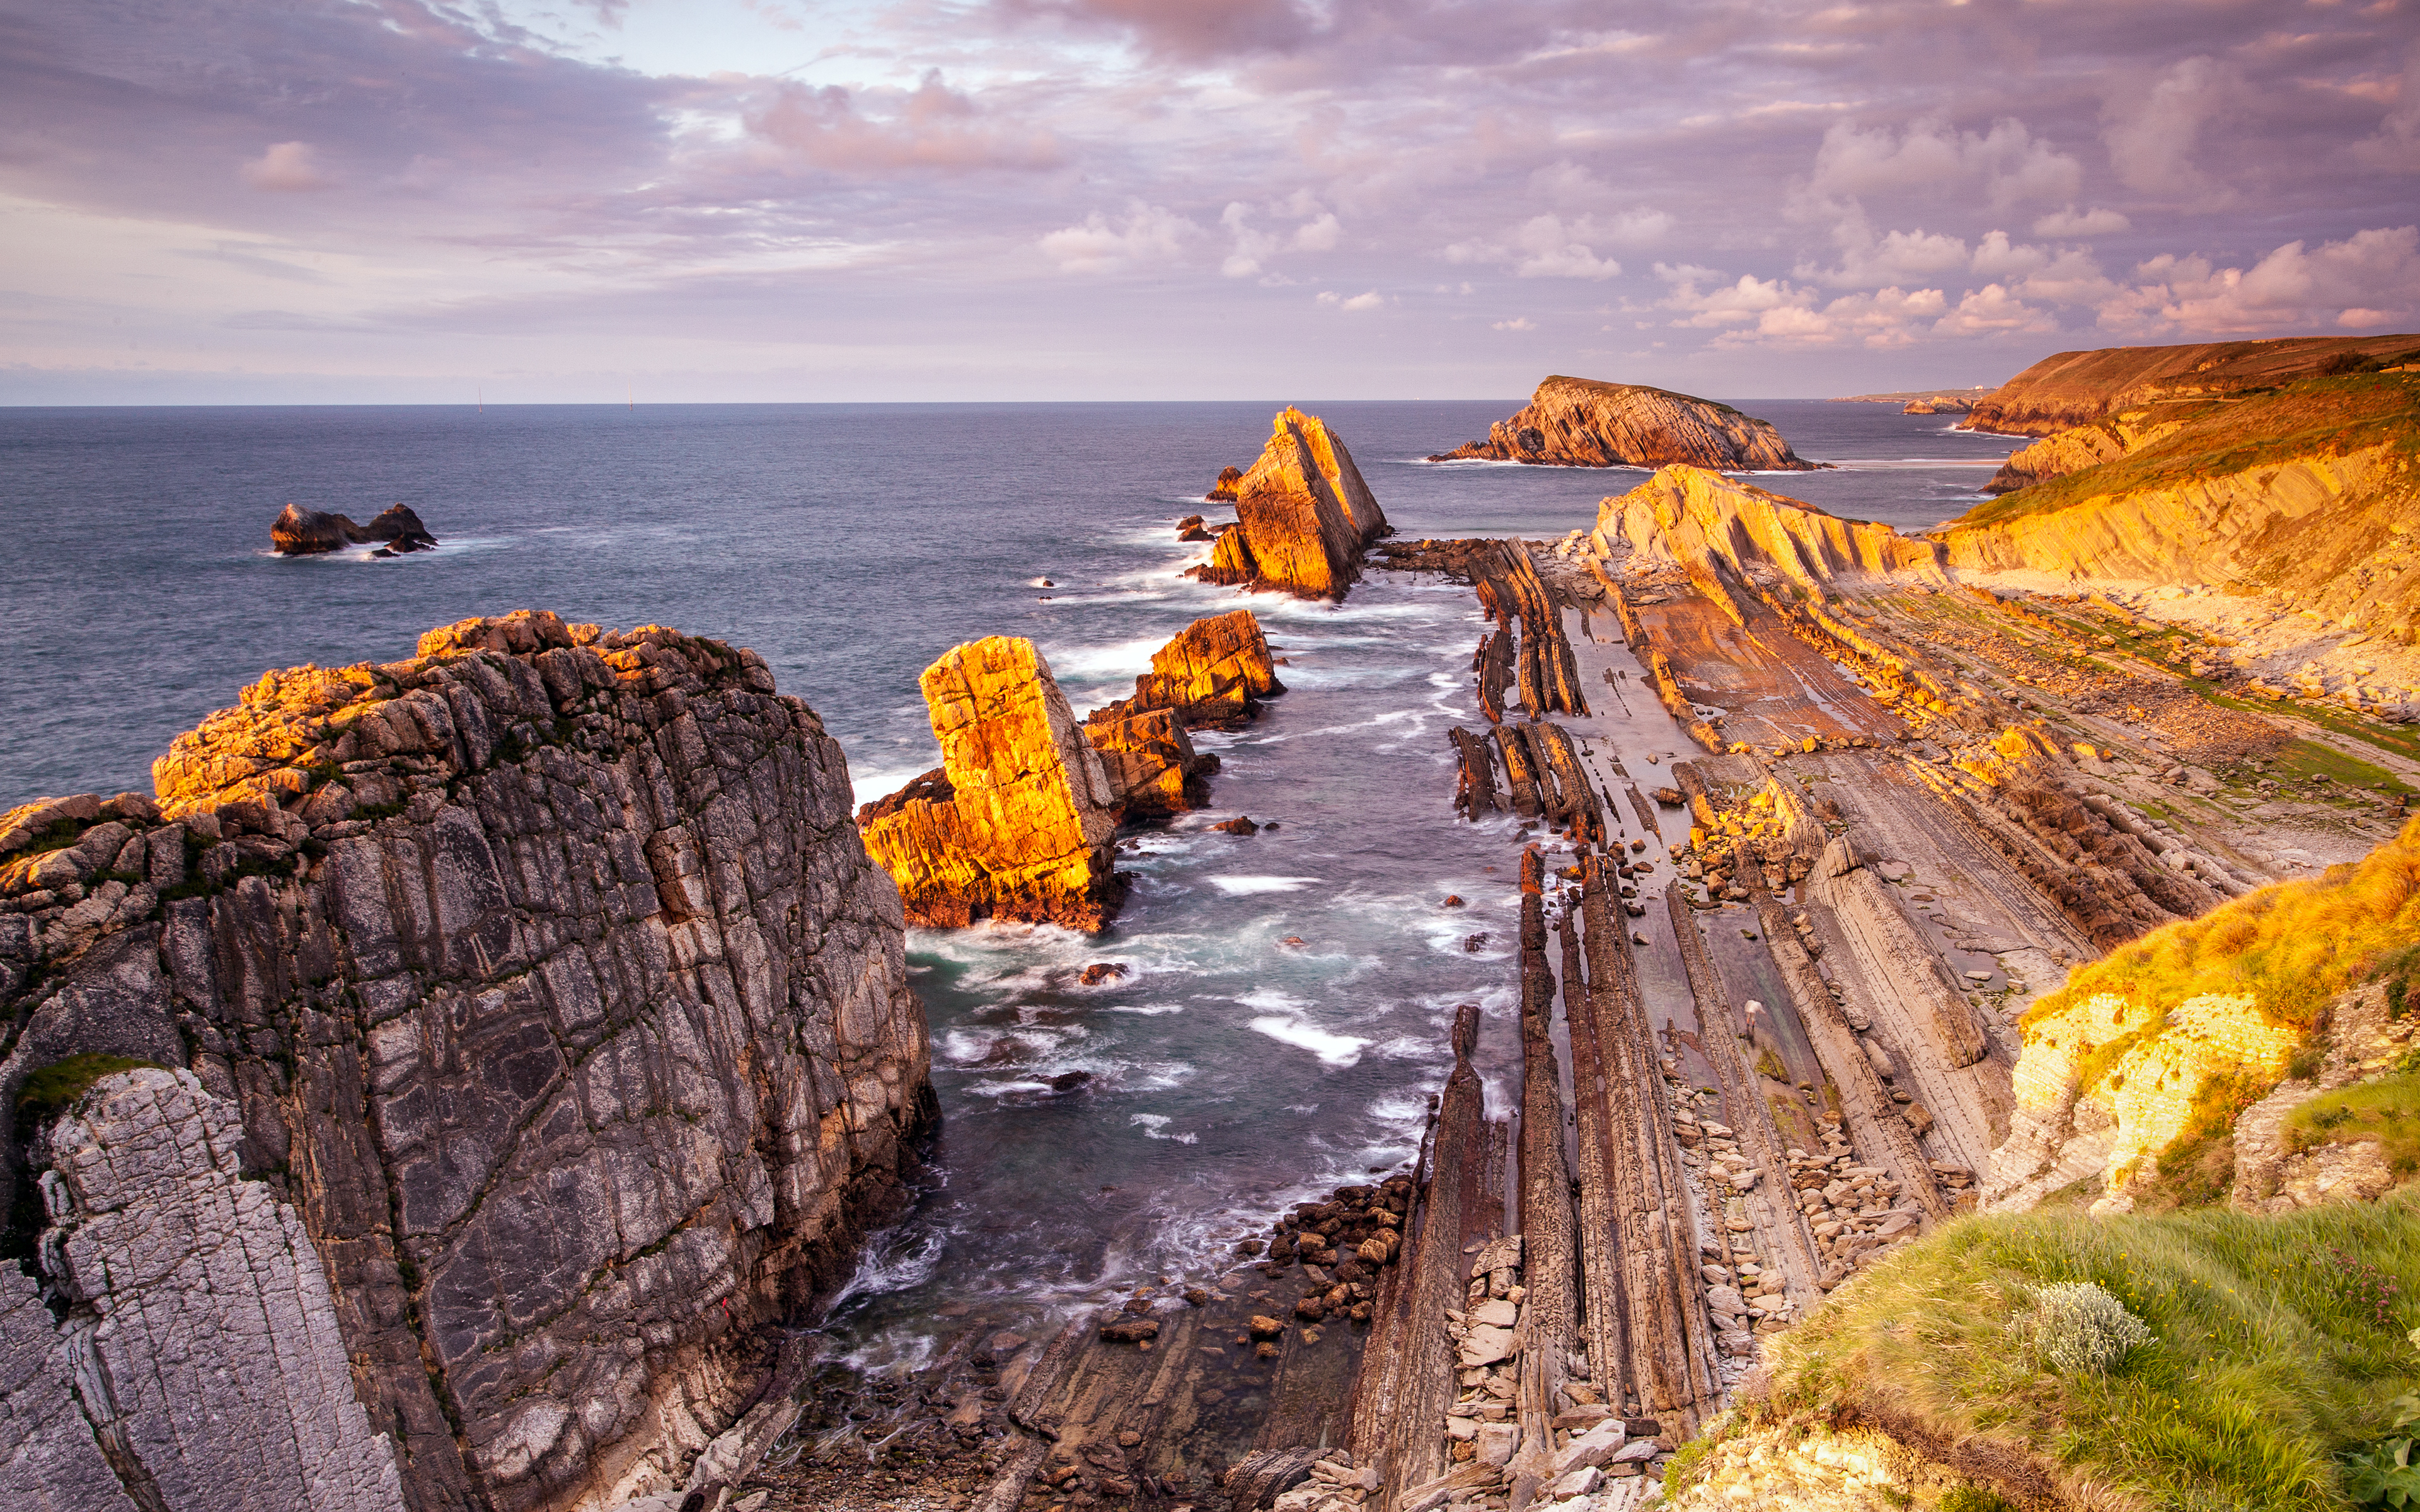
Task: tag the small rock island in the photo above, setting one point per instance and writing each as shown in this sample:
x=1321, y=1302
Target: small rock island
x=1580, y=422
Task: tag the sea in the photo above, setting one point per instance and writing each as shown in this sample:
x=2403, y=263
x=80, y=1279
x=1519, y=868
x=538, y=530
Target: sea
x=1280, y=1023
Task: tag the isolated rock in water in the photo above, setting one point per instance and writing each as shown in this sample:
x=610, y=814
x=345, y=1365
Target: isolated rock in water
x=2070, y=389
x=1212, y=674
x=1303, y=515
x=1937, y=406
x=299, y=531
x=1580, y=422
x=400, y=529
x=1025, y=831
x=220, y=1354
x=555, y=992
x=1695, y=519
x=1154, y=770
x=1223, y=491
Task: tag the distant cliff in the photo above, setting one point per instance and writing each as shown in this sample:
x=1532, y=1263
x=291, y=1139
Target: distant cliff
x=2307, y=491
x=1304, y=516
x=1580, y=422
x=535, y=1029
x=2078, y=388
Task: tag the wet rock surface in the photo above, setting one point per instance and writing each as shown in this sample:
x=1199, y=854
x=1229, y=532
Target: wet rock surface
x=556, y=995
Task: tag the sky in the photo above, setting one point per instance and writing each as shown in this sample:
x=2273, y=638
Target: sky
x=664, y=201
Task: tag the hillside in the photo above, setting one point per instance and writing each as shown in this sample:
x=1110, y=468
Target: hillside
x=2070, y=389
x=2306, y=491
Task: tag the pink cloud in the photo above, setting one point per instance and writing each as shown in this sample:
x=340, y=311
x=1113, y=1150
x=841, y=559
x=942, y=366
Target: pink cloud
x=288, y=168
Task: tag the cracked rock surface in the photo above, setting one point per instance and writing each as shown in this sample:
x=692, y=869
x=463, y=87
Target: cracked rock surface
x=556, y=998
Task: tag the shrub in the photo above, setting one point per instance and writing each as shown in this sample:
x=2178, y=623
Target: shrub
x=1972, y=1497
x=2079, y=1327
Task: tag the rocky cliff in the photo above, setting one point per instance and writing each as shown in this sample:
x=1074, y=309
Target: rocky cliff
x=2132, y=1075
x=1579, y=422
x=2307, y=490
x=1688, y=516
x=1016, y=822
x=2071, y=389
x=1304, y=516
x=542, y=983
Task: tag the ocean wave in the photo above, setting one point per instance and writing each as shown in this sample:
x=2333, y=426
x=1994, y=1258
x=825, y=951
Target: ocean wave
x=1332, y=1048
x=1153, y=1125
x=1245, y=887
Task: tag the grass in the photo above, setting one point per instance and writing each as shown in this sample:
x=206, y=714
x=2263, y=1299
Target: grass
x=2386, y=1110
x=2316, y=417
x=2290, y=947
x=2278, y=1342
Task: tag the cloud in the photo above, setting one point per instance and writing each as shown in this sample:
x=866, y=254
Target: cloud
x=2151, y=134
x=2094, y=222
x=1517, y=323
x=932, y=127
x=1320, y=231
x=1545, y=246
x=1371, y=300
x=2395, y=145
x=1147, y=234
x=1993, y=311
x=287, y=168
x=1186, y=29
x=2371, y=278
x=2009, y=163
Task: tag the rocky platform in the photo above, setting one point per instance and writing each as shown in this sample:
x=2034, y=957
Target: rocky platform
x=1304, y=516
x=1580, y=422
x=533, y=1031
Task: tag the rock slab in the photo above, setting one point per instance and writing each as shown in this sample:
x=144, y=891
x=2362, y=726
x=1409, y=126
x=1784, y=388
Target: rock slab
x=1304, y=516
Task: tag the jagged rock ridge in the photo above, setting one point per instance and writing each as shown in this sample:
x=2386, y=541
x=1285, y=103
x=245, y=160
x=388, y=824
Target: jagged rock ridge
x=1691, y=517
x=1581, y=423
x=1303, y=515
x=556, y=994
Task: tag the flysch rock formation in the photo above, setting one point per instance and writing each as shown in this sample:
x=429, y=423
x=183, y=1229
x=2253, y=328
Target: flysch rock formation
x=1685, y=515
x=1581, y=423
x=1304, y=516
x=2070, y=389
x=1016, y=822
x=557, y=999
x=299, y=531
x=201, y=1361
x=1212, y=674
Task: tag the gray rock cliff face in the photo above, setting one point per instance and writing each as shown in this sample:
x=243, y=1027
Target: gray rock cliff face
x=555, y=995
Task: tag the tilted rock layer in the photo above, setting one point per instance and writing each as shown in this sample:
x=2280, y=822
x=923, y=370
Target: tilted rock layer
x=1688, y=516
x=2307, y=491
x=2070, y=389
x=558, y=998
x=1212, y=674
x=1022, y=830
x=1304, y=516
x=1583, y=424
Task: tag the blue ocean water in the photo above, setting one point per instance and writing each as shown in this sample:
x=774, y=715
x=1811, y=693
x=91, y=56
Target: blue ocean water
x=851, y=545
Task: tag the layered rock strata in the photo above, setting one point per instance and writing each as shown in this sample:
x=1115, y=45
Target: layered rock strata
x=1690, y=517
x=2069, y=389
x=1580, y=422
x=1212, y=674
x=1016, y=822
x=299, y=531
x=1304, y=516
x=557, y=997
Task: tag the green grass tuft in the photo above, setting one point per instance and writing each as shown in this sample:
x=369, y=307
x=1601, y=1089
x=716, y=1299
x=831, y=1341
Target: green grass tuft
x=2269, y=1357
x=2387, y=1110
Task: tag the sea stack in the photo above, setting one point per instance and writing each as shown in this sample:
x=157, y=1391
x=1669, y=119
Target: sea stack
x=1304, y=516
x=1212, y=674
x=1579, y=422
x=443, y=1030
x=298, y=531
x=1016, y=824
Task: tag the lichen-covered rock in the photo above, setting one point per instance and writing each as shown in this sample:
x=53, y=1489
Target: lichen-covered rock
x=1579, y=422
x=1025, y=831
x=1212, y=674
x=559, y=998
x=1304, y=516
x=1693, y=517
x=206, y=1358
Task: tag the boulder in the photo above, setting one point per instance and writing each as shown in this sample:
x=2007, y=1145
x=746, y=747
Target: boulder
x=1223, y=491
x=1025, y=831
x=1574, y=422
x=1303, y=515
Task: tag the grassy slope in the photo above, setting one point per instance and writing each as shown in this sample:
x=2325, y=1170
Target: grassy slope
x=2317, y=417
x=2292, y=946
x=2272, y=1354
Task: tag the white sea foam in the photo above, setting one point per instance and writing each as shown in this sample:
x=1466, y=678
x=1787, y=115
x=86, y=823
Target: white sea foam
x=1332, y=1049
x=1152, y=1125
x=1245, y=887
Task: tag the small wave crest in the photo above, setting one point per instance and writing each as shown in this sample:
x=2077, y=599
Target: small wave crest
x=1332, y=1048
